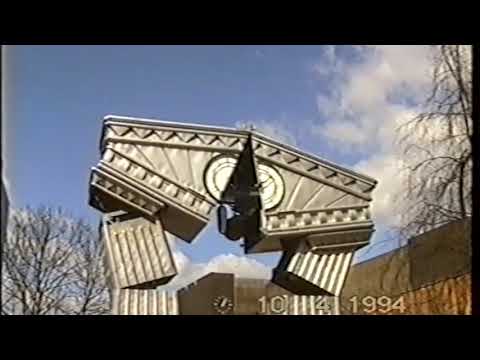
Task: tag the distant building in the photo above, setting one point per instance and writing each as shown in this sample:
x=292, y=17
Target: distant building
x=431, y=275
x=222, y=294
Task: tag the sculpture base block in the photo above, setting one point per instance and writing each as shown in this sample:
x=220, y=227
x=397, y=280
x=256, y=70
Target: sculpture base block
x=138, y=254
x=308, y=271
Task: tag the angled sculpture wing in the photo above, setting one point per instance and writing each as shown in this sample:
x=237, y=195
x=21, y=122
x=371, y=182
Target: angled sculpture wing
x=159, y=167
x=243, y=193
x=315, y=211
x=319, y=201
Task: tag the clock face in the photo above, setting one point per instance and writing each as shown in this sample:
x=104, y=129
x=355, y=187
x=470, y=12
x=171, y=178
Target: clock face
x=222, y=304
x=218, y=174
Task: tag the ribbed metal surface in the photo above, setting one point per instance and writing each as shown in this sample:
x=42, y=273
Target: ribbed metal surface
x=178, y=165
x=144, y=302
x=173, y=190
x=312, y=305
x=176, y=154
x=300, y=305
x=147, y=165
x=182, y=152
x=261, y=297
x=327, y=271
x=138, y=254
x=108, y=191
x=317, y=218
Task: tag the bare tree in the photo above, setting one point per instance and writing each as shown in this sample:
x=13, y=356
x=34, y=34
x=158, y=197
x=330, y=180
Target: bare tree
x=52, y=264
x=437, y=146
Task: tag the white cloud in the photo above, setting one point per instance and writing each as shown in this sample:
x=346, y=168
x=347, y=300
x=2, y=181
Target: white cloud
x=189, y=272
x=366, y=101
x=330, y=63
x=259, y=53
x=241, y=266
x=385, y=168
x=348, y=134
x=275, y=130
x=368, y=94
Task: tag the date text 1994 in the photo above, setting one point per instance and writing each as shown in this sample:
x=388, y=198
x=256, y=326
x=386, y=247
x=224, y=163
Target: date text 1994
x=382, y=305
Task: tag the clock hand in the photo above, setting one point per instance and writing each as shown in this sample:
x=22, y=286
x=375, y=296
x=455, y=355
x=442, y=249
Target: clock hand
x=224, y=302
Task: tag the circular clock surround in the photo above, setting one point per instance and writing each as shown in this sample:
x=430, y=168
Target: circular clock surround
x=222, y=304
x=218, y=172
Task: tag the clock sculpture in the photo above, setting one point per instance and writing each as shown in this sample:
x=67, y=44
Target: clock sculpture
x=156, y=178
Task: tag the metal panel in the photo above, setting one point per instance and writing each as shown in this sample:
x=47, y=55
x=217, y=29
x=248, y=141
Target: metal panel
x=297, y=163
x=312, y=305
x=109, y=194
x=307, y=271
x=168, y=136
x=144, y=302
x=322, y=228
x=138, y=254
x=166, y=170
x=121, y=178
x=171, y=190
x=317, y=219
x=178, y=155
x=178, y=152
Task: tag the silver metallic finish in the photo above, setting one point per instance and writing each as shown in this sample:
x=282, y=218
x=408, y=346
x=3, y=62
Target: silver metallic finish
x=168, y=136
x=126, y=122
x=295, y=168
x=174, y=191
x=184, y=204
x=318, y=270
x=179, y=155
x=221, y=168
x=298, y=161
x=272, y=186
x=144, y=302
x=312, y=305
x=138, y=254
x=168, y=171
x=109, y=193
x=217, y=174
x=328, y=227
x=317, y=219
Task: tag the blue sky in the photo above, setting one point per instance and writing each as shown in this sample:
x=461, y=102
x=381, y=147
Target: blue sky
x=56, y=97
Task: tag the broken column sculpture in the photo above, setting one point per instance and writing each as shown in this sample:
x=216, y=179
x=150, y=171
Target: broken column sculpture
x=315, y=212
x=157, y=177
